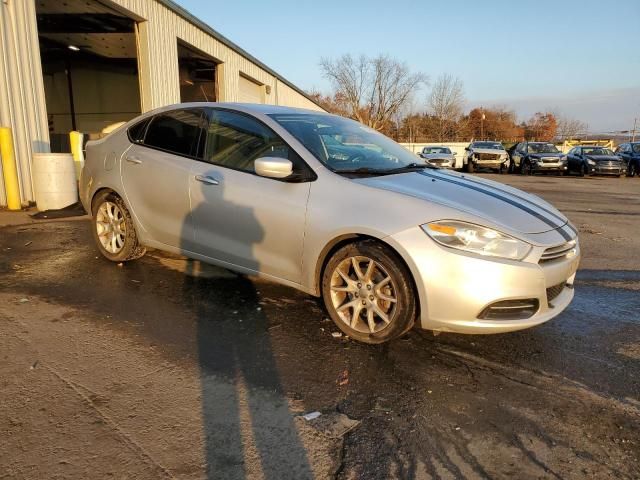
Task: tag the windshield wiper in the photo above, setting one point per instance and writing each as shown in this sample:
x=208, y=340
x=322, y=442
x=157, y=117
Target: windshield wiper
x=363, y=170
x=413, y=166
x=388, y=171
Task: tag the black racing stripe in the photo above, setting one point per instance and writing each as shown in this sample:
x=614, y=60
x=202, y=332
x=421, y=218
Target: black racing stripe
x=504, y=199
x=539, y=207
x=567, y=236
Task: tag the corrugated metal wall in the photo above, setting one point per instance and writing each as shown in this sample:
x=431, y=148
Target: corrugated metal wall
x=157, y=53
x=22, y=102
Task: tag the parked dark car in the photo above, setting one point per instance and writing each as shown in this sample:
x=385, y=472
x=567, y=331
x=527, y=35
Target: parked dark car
x=532, y=157
x=594, y=160
x=630, y=154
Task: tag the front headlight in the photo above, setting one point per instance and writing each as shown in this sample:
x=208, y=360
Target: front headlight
x=591, y=162
x=476, y=239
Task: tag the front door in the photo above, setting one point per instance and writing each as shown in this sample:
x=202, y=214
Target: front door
x=155, y=175
x=240, y=218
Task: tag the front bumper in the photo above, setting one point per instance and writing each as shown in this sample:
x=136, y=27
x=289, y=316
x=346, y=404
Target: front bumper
x=441, y=163
x=549, y=167
x=608, y=170
x=455, y=287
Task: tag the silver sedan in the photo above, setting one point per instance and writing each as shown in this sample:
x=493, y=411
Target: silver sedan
x=330, y=207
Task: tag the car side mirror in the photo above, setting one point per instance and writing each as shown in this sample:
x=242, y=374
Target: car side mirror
x=273, y=167
x=466, y=149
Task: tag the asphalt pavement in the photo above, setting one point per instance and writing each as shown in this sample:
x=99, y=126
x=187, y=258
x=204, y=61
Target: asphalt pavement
x=169, y=368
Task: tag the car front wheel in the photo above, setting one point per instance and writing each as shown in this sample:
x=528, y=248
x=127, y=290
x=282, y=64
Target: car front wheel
x=113, y=229
x=583, y=170
x=368, y=292
x=631, y=171
x=525, y=167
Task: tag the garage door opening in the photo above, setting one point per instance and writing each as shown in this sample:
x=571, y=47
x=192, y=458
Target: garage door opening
x=90, y=68
x=198, y=79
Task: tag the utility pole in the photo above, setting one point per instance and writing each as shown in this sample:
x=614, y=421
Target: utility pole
x=482, y=123
x=633, y=132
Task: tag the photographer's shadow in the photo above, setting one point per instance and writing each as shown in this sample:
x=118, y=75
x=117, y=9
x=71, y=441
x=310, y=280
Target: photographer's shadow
x=247, y=424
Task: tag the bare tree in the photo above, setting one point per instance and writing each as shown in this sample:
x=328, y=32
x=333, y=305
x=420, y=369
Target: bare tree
x=446, y=104
x=373, y=88
x=569, y=128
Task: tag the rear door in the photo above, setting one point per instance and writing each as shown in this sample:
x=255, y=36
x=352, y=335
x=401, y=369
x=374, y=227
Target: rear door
x=241, y=218
x=155, y=174
x=517, y=154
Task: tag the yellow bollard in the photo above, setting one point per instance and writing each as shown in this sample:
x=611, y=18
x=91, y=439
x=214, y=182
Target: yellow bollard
x=75, y=139
x=9, y=169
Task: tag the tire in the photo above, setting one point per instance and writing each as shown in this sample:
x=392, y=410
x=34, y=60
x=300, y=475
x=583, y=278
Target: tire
x=512, y=167
x=583, y=170
x=469, y=166
x=501, y=169
x=343, y=298
x=125, y=246
x=631, y=170
x=525, y=167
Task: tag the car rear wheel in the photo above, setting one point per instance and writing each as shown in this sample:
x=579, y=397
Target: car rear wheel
x=113, y=229
x=631, y=171
x=469, y=166
x=368, y=292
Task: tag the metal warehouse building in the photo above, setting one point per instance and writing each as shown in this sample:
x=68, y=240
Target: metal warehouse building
x=86, y=64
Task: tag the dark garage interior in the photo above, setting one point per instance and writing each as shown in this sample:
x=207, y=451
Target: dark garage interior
x=89, y=65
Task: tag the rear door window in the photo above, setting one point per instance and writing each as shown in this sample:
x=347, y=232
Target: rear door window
x=176, y=132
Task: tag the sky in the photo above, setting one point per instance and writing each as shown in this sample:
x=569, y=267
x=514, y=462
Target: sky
x=578, y=58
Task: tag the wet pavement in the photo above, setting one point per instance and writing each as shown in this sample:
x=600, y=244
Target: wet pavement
x=167, y=368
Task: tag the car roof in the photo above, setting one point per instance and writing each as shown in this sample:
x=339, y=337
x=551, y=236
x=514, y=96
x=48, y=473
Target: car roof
x=245, y=107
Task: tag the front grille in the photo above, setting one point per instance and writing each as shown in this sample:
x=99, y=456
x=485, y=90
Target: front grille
x=550, y=160
x=487, y=156
x=553, y=292
x=559, y=251
x=608, y=165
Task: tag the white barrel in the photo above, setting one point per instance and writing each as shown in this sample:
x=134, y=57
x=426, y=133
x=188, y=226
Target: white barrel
x=54, y=180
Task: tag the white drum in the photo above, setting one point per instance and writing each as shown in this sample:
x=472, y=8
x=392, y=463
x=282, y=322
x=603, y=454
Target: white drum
x=54, y=180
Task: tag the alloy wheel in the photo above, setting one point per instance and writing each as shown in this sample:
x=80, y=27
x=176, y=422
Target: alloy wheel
x=111, y=227
x=363, y=294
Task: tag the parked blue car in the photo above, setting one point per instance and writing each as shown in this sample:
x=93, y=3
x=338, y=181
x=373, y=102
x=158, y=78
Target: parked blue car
x=630, y=154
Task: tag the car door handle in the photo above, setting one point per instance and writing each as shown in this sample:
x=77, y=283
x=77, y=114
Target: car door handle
x=132, y=159
x=207, y=180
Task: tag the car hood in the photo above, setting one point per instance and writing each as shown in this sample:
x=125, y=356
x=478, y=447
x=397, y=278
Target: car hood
x=487, y=150
x=438, y=156
x=497, y=204
x=603, y=158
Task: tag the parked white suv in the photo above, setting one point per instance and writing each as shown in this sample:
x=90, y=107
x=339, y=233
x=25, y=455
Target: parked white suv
x=486, y=155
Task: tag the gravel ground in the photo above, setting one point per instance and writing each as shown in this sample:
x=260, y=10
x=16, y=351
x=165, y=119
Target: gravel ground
x=169, y=368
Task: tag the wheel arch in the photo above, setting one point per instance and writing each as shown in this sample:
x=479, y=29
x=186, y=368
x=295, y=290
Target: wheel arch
x=98, y=192
x=340, y=241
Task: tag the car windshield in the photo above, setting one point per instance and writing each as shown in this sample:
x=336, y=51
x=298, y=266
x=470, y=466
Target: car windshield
x=492, y=145
x=636, y=148
x=542, y=148
x=345, y=145
x=428, y=150
x=596, y=151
